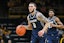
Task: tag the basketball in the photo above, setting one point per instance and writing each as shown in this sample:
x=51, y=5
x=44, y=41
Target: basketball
x=20, y=30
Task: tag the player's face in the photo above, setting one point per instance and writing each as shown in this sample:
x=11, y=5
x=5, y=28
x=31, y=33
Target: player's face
x=51, y=13
x=31, y=8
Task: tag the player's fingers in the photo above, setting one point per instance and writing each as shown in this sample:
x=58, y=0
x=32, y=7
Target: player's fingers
x=39, y=33
x=19, y=26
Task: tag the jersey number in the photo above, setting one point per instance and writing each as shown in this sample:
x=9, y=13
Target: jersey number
x=34, y=25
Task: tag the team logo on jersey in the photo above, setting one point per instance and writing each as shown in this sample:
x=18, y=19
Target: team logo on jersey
x=35, y=20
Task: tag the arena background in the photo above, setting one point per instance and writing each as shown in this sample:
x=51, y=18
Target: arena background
x=14, y=12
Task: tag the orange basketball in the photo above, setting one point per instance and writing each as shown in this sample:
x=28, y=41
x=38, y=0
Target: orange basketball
x=20, y=30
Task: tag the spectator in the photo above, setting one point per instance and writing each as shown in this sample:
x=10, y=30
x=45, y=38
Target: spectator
x=7, y=38
x=10, y=3
x=62, y=39
x=1, y=36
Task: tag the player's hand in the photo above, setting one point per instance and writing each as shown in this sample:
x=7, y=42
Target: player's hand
x=19, y=26
x=53, y=25
x=40, y=33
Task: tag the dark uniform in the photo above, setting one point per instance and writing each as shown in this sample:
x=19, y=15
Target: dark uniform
x=36, y=27
x=52, y=34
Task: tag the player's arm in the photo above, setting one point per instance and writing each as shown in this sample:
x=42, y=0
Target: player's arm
x=60, y=24
x=28, y=27
x=43, y=19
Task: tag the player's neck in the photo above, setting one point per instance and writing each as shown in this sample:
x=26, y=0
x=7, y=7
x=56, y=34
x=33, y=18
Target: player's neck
x=33, y=12
x=51, y=16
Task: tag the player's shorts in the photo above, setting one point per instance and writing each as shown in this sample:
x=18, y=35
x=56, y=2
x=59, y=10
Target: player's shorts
x=52, y=38
x=37, y=39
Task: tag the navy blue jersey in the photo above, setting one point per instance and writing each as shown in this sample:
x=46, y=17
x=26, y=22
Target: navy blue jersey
x=52, y=30
x=36, y=24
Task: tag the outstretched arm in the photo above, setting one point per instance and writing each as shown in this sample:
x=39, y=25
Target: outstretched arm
x=59, y=23
x=43, y=19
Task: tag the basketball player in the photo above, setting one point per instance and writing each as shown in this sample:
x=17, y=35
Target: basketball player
x=52, y=33
x=36, y=20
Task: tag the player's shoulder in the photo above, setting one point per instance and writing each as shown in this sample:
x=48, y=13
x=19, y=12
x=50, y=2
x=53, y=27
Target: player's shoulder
x=56, y=17
x=39, y=13
x=28, y=16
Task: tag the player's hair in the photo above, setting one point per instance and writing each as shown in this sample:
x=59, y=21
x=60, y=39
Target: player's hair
x=52, y=10
x=33, y=3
